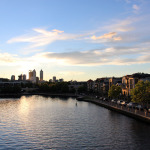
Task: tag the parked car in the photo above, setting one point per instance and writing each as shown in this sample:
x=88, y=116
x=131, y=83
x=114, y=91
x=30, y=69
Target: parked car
x=119, y=102
x=132, y=105
x=96, y=97
x=139, y=107
x=101, y=98
x=124, y=103
x=105, y=99
x=113, y=101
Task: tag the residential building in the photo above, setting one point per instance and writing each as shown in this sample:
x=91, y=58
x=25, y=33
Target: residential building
x=90, y=85
x=129, y=82
x=115, y=81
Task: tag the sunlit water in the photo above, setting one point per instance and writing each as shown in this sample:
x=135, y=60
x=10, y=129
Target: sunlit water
x=38, y=122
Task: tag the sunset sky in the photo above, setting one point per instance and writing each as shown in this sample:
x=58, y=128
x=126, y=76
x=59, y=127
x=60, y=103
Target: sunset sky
x=74, y=39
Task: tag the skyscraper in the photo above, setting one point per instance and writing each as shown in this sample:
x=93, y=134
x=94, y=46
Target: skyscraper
x=24, y=77
x=30, y=74
x=34, y=76
x=41, y=75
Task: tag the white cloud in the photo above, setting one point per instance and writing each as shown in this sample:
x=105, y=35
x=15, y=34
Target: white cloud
x=40, y=38
x=107, y=36
x=136, y=8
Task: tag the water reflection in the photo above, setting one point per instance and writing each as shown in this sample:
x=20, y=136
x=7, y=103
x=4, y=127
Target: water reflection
x=37, y=122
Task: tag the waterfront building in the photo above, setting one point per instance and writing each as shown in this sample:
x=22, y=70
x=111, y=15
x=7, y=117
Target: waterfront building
x=129, y=82
x=75, y=85
x=115, y=81
x=90, y=85
x=41, y=75
x=101, y=85
x=13, y=78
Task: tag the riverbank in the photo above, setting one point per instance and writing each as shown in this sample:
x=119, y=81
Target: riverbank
x=18, y=95
x=136, y=114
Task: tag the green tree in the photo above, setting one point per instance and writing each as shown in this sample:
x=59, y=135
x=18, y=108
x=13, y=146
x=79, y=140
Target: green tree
x=114, y=91
x=141, y=92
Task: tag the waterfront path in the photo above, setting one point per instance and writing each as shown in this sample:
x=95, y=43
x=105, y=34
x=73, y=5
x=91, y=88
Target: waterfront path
x=134, y=113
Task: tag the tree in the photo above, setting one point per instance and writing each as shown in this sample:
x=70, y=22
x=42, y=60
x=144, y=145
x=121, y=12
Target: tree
x=141, y=92
x=114, y=91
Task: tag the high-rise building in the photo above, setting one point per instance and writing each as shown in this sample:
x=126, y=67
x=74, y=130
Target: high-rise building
x=30, y=74
x=20, y=77
x=34, y=76
x=54, y=79
x=24, y=77
x=12, y=77
x=41, y=75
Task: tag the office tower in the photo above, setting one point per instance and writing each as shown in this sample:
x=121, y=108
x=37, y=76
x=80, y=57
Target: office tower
x=34, y=76
x=30, y=74
x=20, y=77
x=41, y=75
x=24, y=77
x=12, y=77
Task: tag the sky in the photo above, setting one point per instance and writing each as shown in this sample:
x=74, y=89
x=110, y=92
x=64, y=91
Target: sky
x=74, y=39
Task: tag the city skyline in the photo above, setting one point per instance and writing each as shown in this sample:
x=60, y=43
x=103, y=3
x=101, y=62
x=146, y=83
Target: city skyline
x=74, y=40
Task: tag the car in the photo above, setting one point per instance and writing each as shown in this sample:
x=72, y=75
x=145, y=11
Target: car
x=101, y=98
x=132, y=105
x=105, y=99
x=96, y=97
x=124, y=103
x=139, y=107
x=119, y=102
x=113, y=101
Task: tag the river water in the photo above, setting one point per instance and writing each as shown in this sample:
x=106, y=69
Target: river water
x=37, y=122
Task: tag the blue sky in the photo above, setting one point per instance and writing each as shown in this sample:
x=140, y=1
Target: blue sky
x=74, y=39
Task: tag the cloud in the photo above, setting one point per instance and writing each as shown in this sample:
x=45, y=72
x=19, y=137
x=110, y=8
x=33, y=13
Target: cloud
x=136, y=8
x=42, y=37
x=107, y=36
x=6, y=58
x=106, y=56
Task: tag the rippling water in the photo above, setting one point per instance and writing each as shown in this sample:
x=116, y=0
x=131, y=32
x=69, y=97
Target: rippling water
x=38, y=122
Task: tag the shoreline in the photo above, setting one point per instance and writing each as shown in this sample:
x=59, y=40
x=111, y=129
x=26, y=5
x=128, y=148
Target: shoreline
x=18, y=95
x=133, y=113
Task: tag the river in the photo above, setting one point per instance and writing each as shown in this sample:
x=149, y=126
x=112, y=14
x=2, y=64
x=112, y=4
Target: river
x=37, y=122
